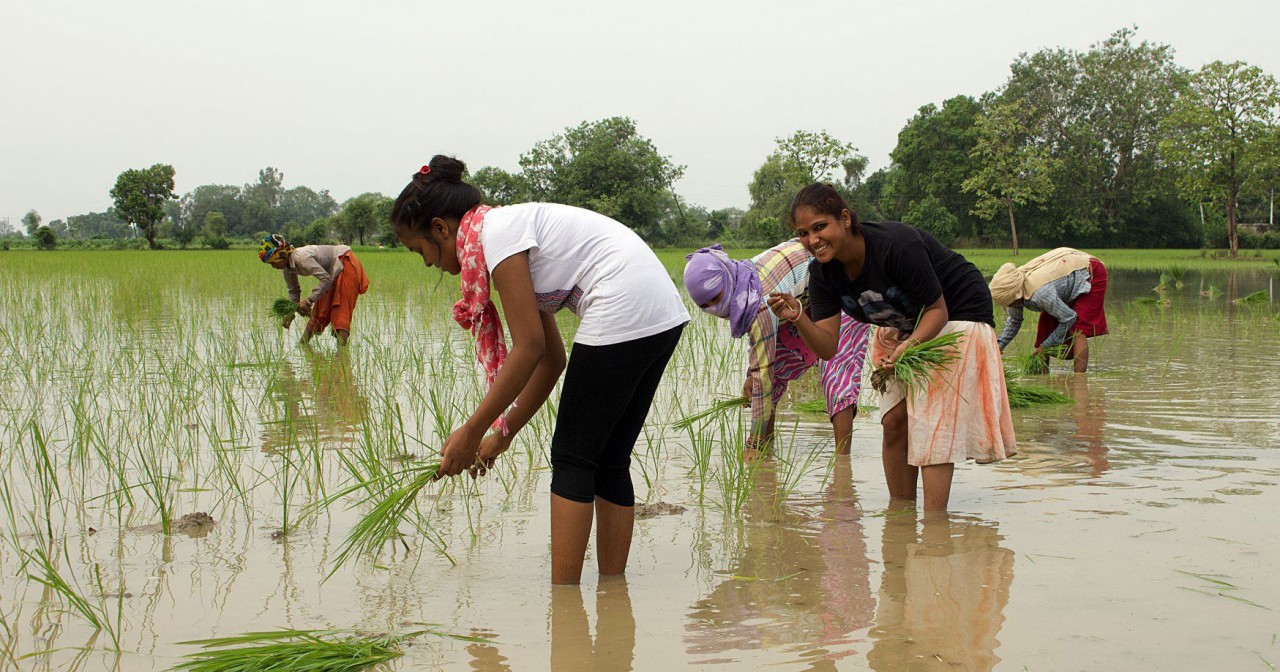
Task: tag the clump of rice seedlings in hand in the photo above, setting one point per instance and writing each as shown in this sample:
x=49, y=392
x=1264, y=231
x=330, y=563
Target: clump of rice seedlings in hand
x=391, y=498
x=282, y=308
x=1039, y=364
x=1022, y=396
x=720, y=407
x=1259, y=296
x=918, y=363
x=299, y=651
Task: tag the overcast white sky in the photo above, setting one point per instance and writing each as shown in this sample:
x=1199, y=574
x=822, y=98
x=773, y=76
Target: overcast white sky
x=353, y=96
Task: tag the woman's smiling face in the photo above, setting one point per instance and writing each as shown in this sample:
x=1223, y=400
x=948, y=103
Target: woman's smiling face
x=825, y=236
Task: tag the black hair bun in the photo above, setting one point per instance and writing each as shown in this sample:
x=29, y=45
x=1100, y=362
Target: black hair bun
x=447, y=168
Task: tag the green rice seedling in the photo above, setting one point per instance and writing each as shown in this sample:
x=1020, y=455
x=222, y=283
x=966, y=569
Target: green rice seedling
x=1151, y=301
x=1175, y=273
x=282, y=308
x=1213, y=292
x=720, y=407
x=294, y=651
x=392, y=497
x=68, y=593
x=1259, y=296
x=1024, y=396
x=812, y=406
x=1163, y=285
x=918, y=363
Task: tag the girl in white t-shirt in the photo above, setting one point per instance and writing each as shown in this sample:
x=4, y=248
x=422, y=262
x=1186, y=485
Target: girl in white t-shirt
x=542, y=257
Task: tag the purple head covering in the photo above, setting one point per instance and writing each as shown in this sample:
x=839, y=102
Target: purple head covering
x=709, y=272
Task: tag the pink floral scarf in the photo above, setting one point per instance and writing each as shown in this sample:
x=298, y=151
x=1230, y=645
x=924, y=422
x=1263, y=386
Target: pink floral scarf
x=475, y=311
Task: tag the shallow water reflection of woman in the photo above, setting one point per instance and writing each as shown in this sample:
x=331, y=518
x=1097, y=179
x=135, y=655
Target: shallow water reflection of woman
x=1090, y=411
x=942, y=594
x=790, y=588
x=326, y=404
x=614, y=644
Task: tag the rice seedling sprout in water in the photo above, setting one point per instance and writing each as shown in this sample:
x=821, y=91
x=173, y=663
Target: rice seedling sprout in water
x=391, y=498
x=1024, y=396
x=718, y=408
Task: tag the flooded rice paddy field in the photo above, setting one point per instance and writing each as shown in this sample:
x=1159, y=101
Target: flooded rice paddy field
x=1135, y=529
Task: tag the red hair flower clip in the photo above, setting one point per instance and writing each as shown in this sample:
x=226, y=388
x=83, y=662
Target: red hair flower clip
x=425, y=170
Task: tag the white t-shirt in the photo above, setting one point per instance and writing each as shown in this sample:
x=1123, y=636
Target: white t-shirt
x=590, y=264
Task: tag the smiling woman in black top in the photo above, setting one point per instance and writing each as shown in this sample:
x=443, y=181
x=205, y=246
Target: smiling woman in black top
x=914, y=289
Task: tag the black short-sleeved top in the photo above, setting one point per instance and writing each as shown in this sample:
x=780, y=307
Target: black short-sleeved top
x=906, y=269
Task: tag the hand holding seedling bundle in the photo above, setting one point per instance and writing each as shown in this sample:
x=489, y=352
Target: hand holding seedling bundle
x=285, y=310
x=913, y=363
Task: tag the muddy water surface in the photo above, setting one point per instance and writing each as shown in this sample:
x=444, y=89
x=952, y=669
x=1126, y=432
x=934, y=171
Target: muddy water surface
x=1136, y=529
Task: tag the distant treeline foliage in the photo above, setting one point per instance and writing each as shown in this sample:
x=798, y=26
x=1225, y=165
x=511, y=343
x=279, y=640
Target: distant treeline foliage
x=1115, y=146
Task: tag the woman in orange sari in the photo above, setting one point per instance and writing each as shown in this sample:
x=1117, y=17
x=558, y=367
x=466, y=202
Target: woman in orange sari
x=342, y=281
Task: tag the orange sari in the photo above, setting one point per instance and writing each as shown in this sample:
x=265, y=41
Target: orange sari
x=336, y=305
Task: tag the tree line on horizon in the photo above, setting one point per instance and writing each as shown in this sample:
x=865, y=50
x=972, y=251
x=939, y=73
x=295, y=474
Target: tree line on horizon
x=1114, y=146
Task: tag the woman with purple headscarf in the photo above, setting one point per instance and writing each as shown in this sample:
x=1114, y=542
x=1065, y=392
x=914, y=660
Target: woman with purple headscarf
x=735, y=290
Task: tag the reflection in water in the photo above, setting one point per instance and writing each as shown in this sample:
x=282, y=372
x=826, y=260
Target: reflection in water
x=326, y=404
x=1090, y=412
x=572, y=647
x=942, y=594
x=790, y=587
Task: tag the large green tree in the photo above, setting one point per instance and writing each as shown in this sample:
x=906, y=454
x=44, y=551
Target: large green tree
x=930, y=163
x=798, y=160
x=1013, y=169
x=1216, y=127
x=363, y=217
x=31, y=221
x=501, y=187
x=140, y=196
x=606, y=166
x=1098, y=115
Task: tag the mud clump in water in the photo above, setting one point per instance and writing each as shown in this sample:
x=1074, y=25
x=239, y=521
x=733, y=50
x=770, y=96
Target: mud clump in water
x=196, y=524
x=658, y=509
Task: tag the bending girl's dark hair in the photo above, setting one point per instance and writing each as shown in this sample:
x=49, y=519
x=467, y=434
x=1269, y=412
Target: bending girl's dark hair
x=435, y=191
x=825, y=200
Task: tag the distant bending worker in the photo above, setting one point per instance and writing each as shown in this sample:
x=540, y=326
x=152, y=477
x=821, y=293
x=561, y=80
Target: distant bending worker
x=342, y=281
x=1068, y=287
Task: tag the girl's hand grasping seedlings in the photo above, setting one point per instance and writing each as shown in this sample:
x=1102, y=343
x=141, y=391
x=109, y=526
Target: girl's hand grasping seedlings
x=491, y=446
x=459, y=451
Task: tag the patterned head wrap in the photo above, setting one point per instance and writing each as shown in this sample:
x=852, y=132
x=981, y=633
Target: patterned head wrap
x=274, y=248
x=710, y=273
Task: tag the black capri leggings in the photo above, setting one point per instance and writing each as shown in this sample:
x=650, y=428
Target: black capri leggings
x=606, y=396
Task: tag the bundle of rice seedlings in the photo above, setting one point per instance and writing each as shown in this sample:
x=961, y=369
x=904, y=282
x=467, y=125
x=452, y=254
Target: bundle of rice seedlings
x=302, y=651
x=1039, y=364
x=1151, y=301
x=918, y=363
x=1259, y=296
x=391, y=498
x=812, y=406
x=1176, y=272
x=282, y=308
x=720, y=407
x=1164, y=283
x=1212, y=292
x=1022, y=396
x=293, y=651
